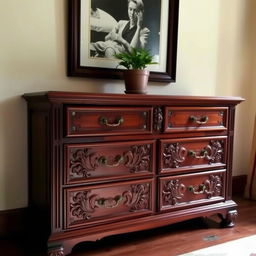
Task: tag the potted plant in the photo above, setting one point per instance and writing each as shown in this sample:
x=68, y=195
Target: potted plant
x=135, y=76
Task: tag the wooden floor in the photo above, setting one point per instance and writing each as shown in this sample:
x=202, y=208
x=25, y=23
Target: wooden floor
x=167, y=241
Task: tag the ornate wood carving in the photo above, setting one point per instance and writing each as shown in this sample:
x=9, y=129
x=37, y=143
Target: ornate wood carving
x=138, y=158
x=82, y=162
x=174, y=154
x=172, y=192
x=221, y=114
x=211, y=187
x=215, y=151
x=138, y=197
x=158, y=118
x=82, y=204
x=56, y=252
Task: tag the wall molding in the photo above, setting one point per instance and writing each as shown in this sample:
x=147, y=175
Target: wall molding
x=13, y=222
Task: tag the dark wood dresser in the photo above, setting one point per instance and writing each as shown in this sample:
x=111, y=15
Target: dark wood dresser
x=104, y=164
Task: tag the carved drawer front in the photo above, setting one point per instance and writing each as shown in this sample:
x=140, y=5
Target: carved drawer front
x=89, y=204
x=91, y=121
x=87, y=162
x=192, y=154
x=191, y=189
x=195, y=119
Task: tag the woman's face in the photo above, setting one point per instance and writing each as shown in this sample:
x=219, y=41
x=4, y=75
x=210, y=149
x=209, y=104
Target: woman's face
x=132, y=12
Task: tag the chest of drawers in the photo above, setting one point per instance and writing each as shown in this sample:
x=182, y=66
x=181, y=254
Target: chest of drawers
x=105, y=164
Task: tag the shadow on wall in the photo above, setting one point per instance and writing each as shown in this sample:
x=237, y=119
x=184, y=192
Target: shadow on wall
x=13, y=153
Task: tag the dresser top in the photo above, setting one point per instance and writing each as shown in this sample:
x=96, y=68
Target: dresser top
x=128, y=99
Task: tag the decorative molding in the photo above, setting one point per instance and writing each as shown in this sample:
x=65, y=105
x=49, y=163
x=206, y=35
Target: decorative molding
x=158, y=118
x=56, y=252
x=213, y=185
x=172, y=192
x=83, y=205
x=174, y=154
x=215, y=151
x=13, y=222
x=82, y=161
x=138, y=158
x=138, y=197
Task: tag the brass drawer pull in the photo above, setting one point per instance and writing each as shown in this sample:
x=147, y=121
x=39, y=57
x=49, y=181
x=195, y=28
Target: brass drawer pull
x=110, y=202
x=199, y=120
x=104, y=161
x=104, y=121
x=203, y=154
x=197, y=190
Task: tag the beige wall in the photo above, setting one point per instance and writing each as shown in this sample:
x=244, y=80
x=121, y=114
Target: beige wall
x=215, y=57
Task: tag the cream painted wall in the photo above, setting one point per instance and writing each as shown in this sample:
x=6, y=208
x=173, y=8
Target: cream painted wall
x=215, y=57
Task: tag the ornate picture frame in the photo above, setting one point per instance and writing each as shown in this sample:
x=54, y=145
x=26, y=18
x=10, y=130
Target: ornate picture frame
x=161, y=19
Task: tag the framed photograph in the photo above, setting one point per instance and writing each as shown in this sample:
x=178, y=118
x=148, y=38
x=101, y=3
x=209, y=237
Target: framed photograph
x=98, y=29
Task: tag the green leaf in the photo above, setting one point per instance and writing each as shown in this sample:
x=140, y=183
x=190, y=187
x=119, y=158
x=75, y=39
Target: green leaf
x=137, y=58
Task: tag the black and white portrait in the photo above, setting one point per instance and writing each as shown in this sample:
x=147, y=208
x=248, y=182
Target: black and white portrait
x=119, y=25
x=108, y=27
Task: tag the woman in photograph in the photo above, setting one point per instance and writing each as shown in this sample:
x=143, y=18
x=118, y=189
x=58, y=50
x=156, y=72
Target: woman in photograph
x=125, y=35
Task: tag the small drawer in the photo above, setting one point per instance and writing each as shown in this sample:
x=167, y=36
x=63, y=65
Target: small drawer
x=91, y=162
x=191, y=190
x=191, y=154
x=91, y=121
x=109, y=202
x=195, y=119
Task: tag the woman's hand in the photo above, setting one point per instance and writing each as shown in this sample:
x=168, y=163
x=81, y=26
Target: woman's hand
x=139, y=19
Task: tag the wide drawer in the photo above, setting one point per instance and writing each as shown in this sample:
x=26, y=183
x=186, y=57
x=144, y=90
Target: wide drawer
x=191, y=189
x=92, y=121
x=192, y=154
x=91, y=162
x=110, y=202
x=183, y=119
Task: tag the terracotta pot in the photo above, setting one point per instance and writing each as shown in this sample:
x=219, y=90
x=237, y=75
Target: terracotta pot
x=136, y=81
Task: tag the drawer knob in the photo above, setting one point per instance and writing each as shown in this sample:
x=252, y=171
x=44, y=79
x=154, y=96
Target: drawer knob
x=104, y=161
x=110, y=202
x=203, y=154
x=199, y=120
x=197, y=190
x=104, y=121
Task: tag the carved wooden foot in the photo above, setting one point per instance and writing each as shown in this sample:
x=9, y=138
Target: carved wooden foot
x=229, y=221
x=56, y=251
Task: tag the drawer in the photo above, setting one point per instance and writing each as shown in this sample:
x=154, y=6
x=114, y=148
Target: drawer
x=191, y=154
x=91, y=162
x=110, y=202
x=195, y=119
x=93, y=121
x=191, y=189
